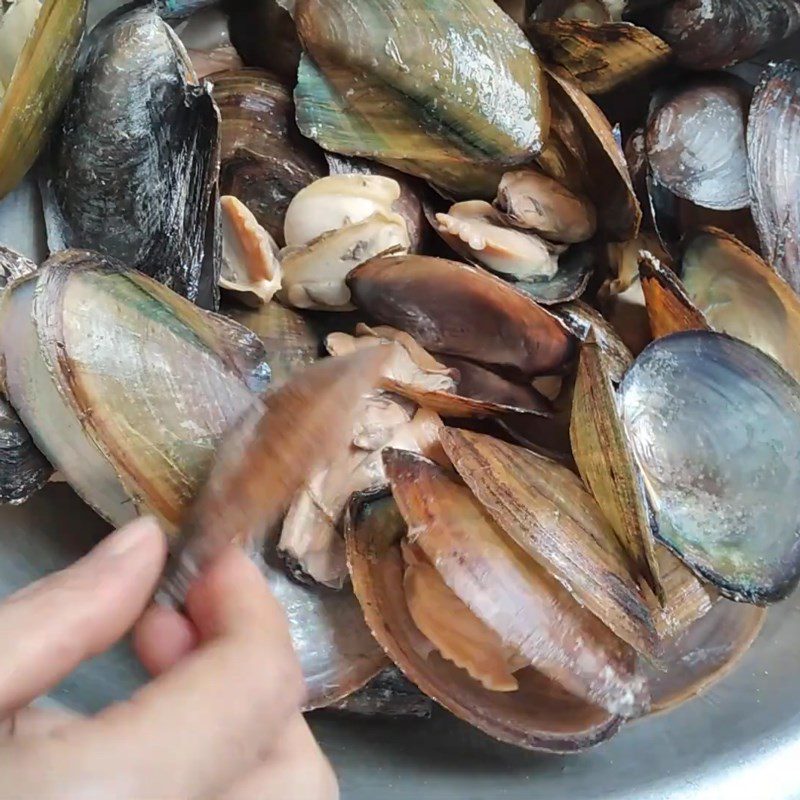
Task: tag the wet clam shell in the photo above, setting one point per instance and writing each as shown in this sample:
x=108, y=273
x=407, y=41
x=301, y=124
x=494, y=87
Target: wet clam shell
x=539, y=716
x=773, y=146
x=714, y=425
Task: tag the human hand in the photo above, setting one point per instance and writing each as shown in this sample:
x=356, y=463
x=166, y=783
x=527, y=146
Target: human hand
x=221, y=718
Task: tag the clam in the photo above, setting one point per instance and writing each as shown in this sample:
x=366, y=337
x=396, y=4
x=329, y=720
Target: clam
x=606, y=172
x=23, y=468
x=532, y=201
x=265, y=36
x=431, y=297
x=717, y=33
x=179, y=9
x=409, y=205
x=250, y=264
x=599, y=55
x=265, y=161
x=314, y=274
x=207, y=40
x=696, y=143
x=337, y=201
x=454, y=109
x=533, y=615
x=475, y=228
x=606, y=464
x=134, y=177
x=310, y=542
x=713, y=425
x=539, y=715
x=773, y=135
x=548, y=272
x=545, y=509
x=83, y=381
x=39, y=43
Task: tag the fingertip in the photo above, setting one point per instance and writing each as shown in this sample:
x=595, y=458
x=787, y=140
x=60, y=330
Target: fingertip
x=231, y=595
x=162, y=637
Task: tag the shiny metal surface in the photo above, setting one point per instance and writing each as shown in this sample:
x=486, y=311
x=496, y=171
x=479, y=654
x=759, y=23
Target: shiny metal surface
x=741, y=741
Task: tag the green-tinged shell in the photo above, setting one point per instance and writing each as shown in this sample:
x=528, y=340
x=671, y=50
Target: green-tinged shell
x=714, y=425
x=606, y=464
x=179, y=9
x=547, y=511
x=179, y=388
x=599, y=55
x=540, y=715
x=39, y=85
x=450, y=91
x=265, y=161
x=132, y=168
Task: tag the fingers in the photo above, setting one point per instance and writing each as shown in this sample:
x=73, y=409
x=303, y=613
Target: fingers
x=296, y=768
x=217, y=713
x=51, y=626
x=28, y=723
x=162, y=637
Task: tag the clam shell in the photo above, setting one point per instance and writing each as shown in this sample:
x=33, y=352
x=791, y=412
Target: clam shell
x=714, y=425
x=696, y=143
x=131, y=177
x=431, y=297
x=39, y=86
x=606, y=464
x=608, y=181
x=356, y=96
x=717, y=33
x=599, y=55
x=773, y=146
x=547, y=511
x=265, y=161
x=539, y=716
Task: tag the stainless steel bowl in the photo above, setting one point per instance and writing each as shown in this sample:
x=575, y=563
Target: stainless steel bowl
x=739, y=741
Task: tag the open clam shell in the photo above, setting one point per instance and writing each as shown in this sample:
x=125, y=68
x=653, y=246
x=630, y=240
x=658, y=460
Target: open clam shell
x=133, y=177
x=599, y=55
x=36, y=79
x=606, y=464
x=702, y=655
x=714, y=425
x=773, y=146
x=431, y=297
x=608, y=180
x=265, y=161
x=540, y=715
x=547, y=511
x=669, y=307
x=404, y=105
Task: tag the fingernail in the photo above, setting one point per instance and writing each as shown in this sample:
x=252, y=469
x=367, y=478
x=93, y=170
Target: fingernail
x=129, y=538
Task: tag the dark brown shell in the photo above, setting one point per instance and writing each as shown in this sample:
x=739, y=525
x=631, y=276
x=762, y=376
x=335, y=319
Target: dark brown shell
x=431, y=298
x=717, y=33
x=600, y=56
x=265, y=161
